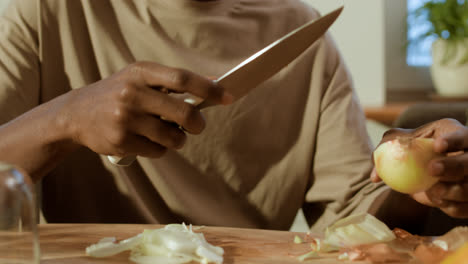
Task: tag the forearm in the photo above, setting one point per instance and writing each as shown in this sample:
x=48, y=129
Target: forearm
x=37, y=140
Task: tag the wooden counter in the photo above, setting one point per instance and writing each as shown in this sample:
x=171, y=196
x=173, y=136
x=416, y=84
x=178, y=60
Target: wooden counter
x=66, y=243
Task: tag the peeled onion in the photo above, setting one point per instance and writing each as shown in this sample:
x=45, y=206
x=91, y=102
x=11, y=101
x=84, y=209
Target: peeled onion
x=173, y=244
x=356, y=230
x=403, y=163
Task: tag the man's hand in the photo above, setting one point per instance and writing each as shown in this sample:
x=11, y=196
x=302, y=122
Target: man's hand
x=131, y=112
x=450, y=193
x=128, y=113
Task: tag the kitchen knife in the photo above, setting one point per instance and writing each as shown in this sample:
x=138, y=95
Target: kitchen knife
x=261, y=66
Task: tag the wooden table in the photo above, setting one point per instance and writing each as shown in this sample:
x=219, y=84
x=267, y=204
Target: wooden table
x=66, y=243
x=386, y=114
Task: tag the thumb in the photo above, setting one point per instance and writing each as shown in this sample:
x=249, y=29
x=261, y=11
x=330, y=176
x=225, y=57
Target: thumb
x=375, y=176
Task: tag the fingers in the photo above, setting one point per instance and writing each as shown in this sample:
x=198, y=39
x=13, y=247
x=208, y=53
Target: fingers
x=145, y=135
x=455, y=192
x=138, y=98
x=156, y=130
x=441, y=145
x=132, y=144
x=450, y=169
x=451, y=198
x=171, y=109
x=456, y=210
x=374, y=176
x=423, y=198
x=137, y=119
x=437, y=128
x=181, y=81
x=451, y=142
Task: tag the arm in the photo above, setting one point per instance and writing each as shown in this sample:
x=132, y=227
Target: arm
x=19, y=77
x=128, y=124
x=115, y=116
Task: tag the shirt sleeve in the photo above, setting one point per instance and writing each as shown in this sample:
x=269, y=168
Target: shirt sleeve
x=342, y=164
x=19, y=59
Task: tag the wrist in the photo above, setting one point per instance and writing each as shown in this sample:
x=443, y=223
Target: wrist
x=38, y=139
x=62, y=128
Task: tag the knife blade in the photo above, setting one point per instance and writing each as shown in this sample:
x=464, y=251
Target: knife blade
x=262, y=65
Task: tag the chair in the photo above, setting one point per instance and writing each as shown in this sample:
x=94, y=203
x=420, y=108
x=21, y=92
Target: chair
x=423, y=113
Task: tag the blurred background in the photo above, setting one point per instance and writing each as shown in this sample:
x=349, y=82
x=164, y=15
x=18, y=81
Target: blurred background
x=372, y=35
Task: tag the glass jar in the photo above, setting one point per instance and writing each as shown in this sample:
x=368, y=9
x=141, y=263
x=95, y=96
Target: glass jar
x=19, y=240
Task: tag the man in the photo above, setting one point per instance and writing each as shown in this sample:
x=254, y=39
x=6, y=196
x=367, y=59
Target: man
x=84, y=79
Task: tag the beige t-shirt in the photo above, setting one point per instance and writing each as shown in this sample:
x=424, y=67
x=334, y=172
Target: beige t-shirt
x=298, y=140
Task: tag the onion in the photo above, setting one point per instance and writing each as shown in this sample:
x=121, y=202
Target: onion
x=297, y=240
x=357, y=230
x=107, y=247
x=173, y=244
x=354, y=230
x=308, y=255
x=402, y=164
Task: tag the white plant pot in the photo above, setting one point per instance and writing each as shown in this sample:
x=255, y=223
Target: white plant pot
x=451, y=78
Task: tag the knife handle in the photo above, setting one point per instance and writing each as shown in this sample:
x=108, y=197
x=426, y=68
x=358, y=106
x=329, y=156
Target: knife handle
x=122, y=161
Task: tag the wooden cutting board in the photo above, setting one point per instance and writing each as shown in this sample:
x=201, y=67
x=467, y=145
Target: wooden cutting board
x=66, y=243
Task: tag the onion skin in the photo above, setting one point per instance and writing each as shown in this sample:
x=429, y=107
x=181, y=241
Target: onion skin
x=403, y=164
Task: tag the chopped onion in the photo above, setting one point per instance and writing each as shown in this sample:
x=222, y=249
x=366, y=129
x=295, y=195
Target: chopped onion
x=159, y=259
x=107, y=247
x=309, y=255
x=173, y=244
x=297, y=240
x=323, y=247
x=350, y=231
x=442, y=244
x=357, y=230
x=343, y=256
x=453, y=239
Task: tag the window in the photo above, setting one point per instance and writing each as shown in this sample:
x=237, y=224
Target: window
x=418, y=54
x=407, y=67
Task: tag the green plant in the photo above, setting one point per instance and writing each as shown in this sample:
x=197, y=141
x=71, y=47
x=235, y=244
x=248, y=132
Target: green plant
x=448, y=20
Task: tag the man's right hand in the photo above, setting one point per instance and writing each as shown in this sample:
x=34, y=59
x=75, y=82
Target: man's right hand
x=121, y=115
